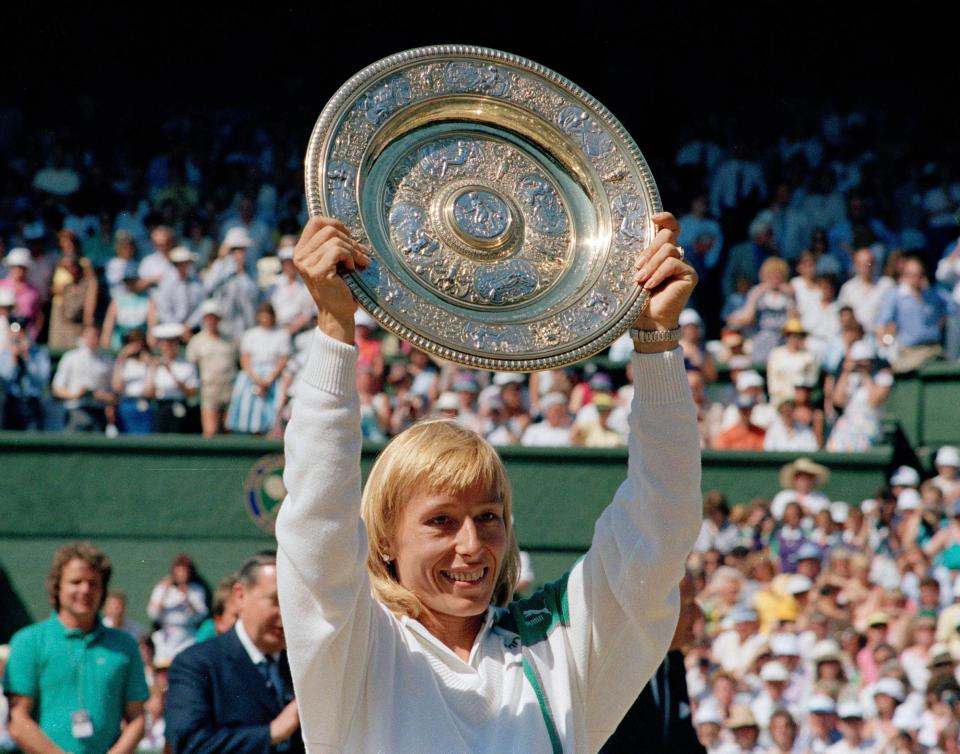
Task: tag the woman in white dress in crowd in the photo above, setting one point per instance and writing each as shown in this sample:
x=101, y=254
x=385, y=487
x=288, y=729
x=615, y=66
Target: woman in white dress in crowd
x=264, y=352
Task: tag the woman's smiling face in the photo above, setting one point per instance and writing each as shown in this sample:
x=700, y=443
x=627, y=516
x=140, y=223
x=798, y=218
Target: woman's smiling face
x=448, y=549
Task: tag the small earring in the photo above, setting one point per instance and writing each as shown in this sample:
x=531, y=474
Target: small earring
x=386, y=558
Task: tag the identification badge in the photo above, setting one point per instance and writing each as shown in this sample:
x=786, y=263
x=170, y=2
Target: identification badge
x=179, y=410
x=80, y=724
x=143, y=406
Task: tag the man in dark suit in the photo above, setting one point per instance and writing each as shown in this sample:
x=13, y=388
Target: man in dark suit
x=233, y=694
x=659, y=720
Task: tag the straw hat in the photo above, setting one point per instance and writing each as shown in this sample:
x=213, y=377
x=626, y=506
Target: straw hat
x=803, y=466
x=741, y=717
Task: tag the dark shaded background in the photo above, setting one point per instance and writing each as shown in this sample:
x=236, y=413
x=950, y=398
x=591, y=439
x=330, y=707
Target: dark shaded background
x=737, y=71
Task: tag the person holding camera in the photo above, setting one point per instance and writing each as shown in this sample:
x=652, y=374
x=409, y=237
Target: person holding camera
x=24, y=371
x=861, y=391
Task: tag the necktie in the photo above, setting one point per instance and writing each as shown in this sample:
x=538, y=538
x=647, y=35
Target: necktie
x=271, y=671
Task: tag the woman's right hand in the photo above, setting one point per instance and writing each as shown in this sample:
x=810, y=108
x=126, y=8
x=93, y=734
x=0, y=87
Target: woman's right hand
x=324, y=248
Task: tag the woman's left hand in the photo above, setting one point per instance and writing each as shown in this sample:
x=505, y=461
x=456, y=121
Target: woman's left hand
x=669, y=279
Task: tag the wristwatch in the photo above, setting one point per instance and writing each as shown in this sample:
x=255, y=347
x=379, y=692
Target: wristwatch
x=653, y=336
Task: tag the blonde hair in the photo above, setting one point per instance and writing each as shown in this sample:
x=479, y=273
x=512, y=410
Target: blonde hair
x=432, y=456
x=774, y=264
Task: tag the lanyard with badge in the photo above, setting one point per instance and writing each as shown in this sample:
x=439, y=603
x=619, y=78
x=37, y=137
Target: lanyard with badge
x=81, y=726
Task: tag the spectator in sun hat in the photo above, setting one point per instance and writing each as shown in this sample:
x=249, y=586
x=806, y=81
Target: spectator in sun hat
x=877, y=630
x=745, y=730
x=888, y=694
x=947, y=464
x=774, y=677
x=216, y=360
x=446, y=406
x=597, y=433
x=708, y=722
x=695, y=353
x=466, y=390
x=799, y=481
x=229, y=282
x=178, y=297
x=790, y=362
x=734, y=646
x=787, y=432
x=819, y=730
x=860, y=392
x=554, y=429
x=497, y=428
x=26, y=298
x=512, y=394
x=743, y=434
x=785, y=647
x=751, y=384
x=904, y=476
x=172, y=380
x=850, y=715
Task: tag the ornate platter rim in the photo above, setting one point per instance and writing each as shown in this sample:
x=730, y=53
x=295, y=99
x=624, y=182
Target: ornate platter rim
x=315, y=168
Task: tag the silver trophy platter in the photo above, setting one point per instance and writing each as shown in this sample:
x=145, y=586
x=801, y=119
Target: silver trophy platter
x=504, y=205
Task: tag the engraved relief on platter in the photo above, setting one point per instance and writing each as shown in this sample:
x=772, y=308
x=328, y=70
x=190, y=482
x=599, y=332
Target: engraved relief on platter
x=591, y=311
x=492, y=190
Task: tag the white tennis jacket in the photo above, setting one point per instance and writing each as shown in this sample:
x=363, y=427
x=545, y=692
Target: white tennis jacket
x=552, y=673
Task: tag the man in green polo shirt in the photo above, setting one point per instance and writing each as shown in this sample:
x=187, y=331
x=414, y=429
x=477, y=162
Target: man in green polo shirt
x=72, y=681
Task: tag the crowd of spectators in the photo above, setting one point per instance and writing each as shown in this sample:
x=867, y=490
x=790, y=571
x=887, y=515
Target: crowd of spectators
x=830, y=626
x=155, y=292
x=823, y=625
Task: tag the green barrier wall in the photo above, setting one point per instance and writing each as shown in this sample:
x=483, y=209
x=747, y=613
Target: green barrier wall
x=144, y=500
x=927, y=405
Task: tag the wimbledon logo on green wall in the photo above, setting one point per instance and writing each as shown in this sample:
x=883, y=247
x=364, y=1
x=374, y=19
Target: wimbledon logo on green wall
x=263, y=491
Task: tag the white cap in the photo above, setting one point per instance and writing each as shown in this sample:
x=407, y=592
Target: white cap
x=839, y=511
x=7, y=297
x=168, y=331
x=948, y=456
x=862, y=350
x=785, y=645
x=891, y=687
x=182, y=254
x=690, y=317
x=822, y=703
x=211, y=306
x=708, y=712
x=908, y=500
x=850, y=709
x=285, y=253
x=774, y=671
x=505, y=378
x=905, y=476
x=237, y=238
x=18, y=257
x=748, y=379
x=798, y=584
x=553, y=399
x=826, y=650
x=447, y=402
